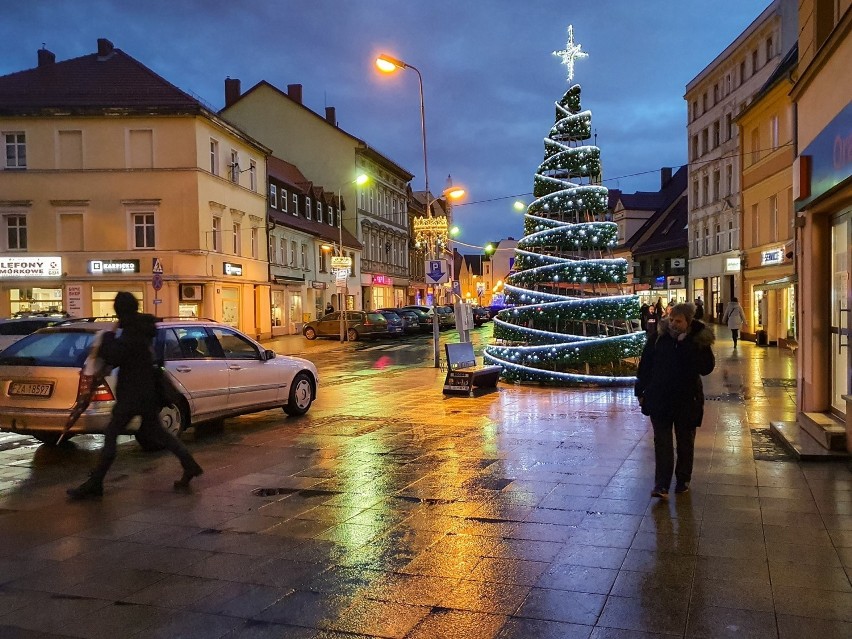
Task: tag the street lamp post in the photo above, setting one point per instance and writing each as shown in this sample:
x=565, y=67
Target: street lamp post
x=433, y=232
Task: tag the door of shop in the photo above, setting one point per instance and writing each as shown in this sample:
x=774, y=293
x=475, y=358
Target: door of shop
x=841, y=296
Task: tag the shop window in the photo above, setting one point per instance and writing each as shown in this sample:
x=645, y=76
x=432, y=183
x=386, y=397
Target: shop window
x=16, y=149
x=102, y=301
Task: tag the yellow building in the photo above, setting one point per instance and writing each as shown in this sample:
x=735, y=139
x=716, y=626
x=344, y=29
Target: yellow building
x=766, y=129
x=113, y=179
x=822, y=187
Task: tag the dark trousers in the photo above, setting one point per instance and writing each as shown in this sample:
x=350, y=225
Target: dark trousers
x=735, y=334
x=664, y=453
x=153, y=431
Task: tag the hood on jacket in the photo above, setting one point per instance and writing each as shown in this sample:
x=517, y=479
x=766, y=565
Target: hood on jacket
x=699, y=332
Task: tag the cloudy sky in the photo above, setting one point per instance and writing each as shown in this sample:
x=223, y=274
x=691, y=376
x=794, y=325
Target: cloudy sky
x=489, y=76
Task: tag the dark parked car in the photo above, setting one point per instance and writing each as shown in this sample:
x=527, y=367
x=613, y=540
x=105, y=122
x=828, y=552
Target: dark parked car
x=446, y=316
x=11, y=330
x=410, y=320
x=396, y=327
x=358, y=324
x=481, y=315
x=424, y=316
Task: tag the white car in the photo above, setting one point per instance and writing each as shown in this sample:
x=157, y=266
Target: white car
x=219, y=371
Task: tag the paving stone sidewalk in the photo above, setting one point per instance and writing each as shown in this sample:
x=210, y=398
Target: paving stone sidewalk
x=392, y=511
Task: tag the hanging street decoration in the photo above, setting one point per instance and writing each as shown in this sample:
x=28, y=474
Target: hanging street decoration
x=568, y=321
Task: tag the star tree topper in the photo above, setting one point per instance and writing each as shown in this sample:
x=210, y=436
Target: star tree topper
x=571, y=53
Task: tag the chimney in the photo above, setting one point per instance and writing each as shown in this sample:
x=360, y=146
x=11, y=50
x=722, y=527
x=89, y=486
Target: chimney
x=104, y=48
x=45, y=57
x=330, y=116
x=232, y=91
x=665, y=176
x=295, y=92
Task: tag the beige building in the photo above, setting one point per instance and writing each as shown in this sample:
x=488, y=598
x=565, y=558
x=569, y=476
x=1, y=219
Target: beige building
x=822, y=188
x=714, y=98
x=767, y=128
x=330, y=156
x=113, y=179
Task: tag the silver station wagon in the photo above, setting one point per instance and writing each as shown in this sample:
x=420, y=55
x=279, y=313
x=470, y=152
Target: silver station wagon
x=219, y=371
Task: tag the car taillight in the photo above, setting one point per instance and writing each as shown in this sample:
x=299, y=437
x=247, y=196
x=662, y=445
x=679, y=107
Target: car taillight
x=101, y=394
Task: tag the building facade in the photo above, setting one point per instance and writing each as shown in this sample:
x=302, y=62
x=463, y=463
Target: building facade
x=330, y=156
x=114, y=179
x=714, y=98
x=822, y=190
x=766, y=128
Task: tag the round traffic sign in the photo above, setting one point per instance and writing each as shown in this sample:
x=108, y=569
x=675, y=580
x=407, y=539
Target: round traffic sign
x=157, y=281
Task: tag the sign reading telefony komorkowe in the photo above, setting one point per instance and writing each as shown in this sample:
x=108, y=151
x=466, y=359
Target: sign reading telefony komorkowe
x=30, y=267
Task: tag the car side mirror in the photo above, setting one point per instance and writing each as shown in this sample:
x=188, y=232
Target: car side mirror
x=268, y=354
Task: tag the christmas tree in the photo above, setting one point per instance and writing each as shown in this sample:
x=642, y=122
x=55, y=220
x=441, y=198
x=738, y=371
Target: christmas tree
x=569, y=322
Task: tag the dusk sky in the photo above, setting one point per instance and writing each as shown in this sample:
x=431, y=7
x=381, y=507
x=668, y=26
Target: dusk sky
x=490, y=79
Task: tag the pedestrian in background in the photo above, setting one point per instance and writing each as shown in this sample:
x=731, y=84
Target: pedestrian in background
x=699, y=309
x=643, y=314
x=329, y=308
x=670, y=392
x=734, y=318
x=138, y=393
x=659, y=306
x=651, y=323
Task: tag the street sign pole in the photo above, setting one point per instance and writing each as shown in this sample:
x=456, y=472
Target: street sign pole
x=436, y=273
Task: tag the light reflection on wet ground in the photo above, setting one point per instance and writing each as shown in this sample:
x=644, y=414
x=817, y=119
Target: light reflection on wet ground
x=393, y=511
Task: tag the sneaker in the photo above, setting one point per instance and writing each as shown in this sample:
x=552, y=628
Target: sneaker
x=681, y=487
x=659, y=491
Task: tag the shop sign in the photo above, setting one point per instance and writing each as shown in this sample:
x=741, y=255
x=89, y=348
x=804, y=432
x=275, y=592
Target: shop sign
x=382, y=280
x=830, y=156
x=30, y=266
x=320, y=285
x=679, y=262
x=676, y=281
x=112, y=267
x=732, y=264
x=339, y=263
x=659, y=282
x=773, y=256
x=235, y=270
x=75, y=300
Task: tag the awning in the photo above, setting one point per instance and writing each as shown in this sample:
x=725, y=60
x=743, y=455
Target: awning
x=782, y=282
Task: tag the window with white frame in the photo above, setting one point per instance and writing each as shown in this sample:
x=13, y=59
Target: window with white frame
x=217, y=234
x=773, y=132
x=144, y=229
x=322, y=267
x=705, y=187
x=293, y=253
x=283, y=199
x=235, y=166
x=706, y=240
x=295, y=203
x=16, y=232
x=236, y=236
x=282, y=247
x=16, y=149
x=273, y=259
x=253, y=175
x=255, y=247
x=214, y=156
x=717, y=185
x=729, y=178
x=718, y=238
x=273, y=196
x=730, y=235
x=305, y=256
x=773, y=218
x=729, y=127
x=696, y=248
x=319, y=211
x=308, y=208
x=695, y=201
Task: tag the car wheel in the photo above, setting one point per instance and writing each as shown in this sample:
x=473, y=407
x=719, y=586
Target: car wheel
x=301, y=395
x=352, y=335
x=49, y=438
x=310, y=333
x=172, y=419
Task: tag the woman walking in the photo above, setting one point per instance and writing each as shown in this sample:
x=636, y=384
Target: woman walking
x=734, y=318
x=670, y=392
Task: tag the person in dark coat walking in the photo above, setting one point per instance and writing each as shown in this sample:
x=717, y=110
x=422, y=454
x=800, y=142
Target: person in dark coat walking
x=329, y=309
x=670, y=392
x=138, y=393
x=651, y=320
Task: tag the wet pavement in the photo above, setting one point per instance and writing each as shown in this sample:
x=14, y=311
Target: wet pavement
x=393, y=511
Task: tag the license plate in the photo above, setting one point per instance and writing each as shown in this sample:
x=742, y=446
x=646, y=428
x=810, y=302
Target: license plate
x=31, y=389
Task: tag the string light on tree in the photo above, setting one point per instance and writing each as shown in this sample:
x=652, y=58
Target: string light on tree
x=569, y=322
